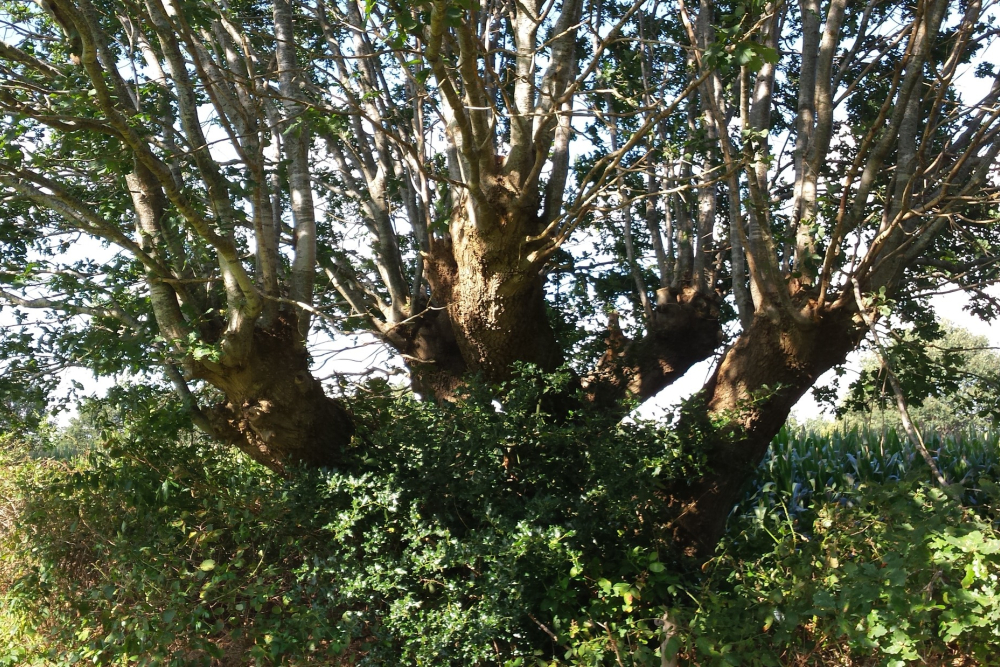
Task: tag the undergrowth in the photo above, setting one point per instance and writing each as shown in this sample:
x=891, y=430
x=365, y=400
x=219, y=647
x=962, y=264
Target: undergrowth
x=470, y=535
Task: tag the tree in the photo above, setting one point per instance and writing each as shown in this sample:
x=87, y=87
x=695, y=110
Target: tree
x=949, y=376
x=609, y=185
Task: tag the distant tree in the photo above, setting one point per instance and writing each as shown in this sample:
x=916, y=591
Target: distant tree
x=479, y=184
x=951, y=380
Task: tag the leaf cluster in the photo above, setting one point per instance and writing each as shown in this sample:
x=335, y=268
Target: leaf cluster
x=487, y=532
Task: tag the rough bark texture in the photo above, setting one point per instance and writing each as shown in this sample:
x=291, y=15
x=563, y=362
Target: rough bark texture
x=432, y=355
x=489, y=314
x=766, y=371
x=494, y=296
x=275, y=410
x=682, y=332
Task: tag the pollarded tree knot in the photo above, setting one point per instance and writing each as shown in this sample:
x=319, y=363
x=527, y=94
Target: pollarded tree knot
x=257, y=408
x=616, y=340
x=682, y=333
x=685, y=309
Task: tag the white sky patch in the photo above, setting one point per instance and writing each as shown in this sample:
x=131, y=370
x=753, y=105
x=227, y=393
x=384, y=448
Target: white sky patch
x=948, y=307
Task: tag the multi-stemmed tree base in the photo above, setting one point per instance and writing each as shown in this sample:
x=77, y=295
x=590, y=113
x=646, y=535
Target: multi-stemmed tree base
x=275, y=410
x=744, y=405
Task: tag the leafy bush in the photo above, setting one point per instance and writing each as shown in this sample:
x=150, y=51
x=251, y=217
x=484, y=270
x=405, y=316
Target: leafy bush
x=842, y=550
x=456, y=535
x=482, y=534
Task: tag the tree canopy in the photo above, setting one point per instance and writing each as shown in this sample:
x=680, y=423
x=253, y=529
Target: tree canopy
x=623, y=188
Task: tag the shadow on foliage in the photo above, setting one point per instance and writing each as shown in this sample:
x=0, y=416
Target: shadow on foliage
x=483, y=532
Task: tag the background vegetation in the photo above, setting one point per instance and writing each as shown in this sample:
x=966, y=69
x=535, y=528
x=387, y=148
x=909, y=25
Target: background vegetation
x=949, y=377
x=443, y=547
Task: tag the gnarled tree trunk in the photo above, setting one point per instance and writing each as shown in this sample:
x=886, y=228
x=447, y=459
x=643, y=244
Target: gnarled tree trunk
x=494, y=293
x=275, y=410
x=488, y=299
x=681, y=332
x=765, y=372
x=492, y=316
x=428, y=345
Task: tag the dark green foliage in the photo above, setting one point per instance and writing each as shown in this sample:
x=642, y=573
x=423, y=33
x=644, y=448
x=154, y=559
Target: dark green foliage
x=23, y=393
x=482, y=533
x=845, y=549
x=461, y=528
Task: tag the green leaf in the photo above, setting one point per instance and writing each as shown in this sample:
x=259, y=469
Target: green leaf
x=970, y=575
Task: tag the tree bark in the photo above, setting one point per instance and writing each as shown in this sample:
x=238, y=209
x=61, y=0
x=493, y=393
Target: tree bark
x=493, y=293
x=493, y=316
x=766, y=371
x=428, y=345
x=681, y=332
x=275, y=410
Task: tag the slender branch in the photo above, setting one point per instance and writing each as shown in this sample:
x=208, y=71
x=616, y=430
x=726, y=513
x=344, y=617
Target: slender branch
x=911, y=432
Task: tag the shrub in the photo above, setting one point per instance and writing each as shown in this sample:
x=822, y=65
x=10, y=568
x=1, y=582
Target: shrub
x=462, y=534
x=477, y=533
x=843, y=551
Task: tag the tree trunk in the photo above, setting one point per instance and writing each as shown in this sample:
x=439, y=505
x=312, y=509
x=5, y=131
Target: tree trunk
x=428, y=345
x=493, y=293
x=275, y=410
x=682, y=331
x=767, y=370
x=488, y=313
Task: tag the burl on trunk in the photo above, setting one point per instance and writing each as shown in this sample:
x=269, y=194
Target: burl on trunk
x=275, y=410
